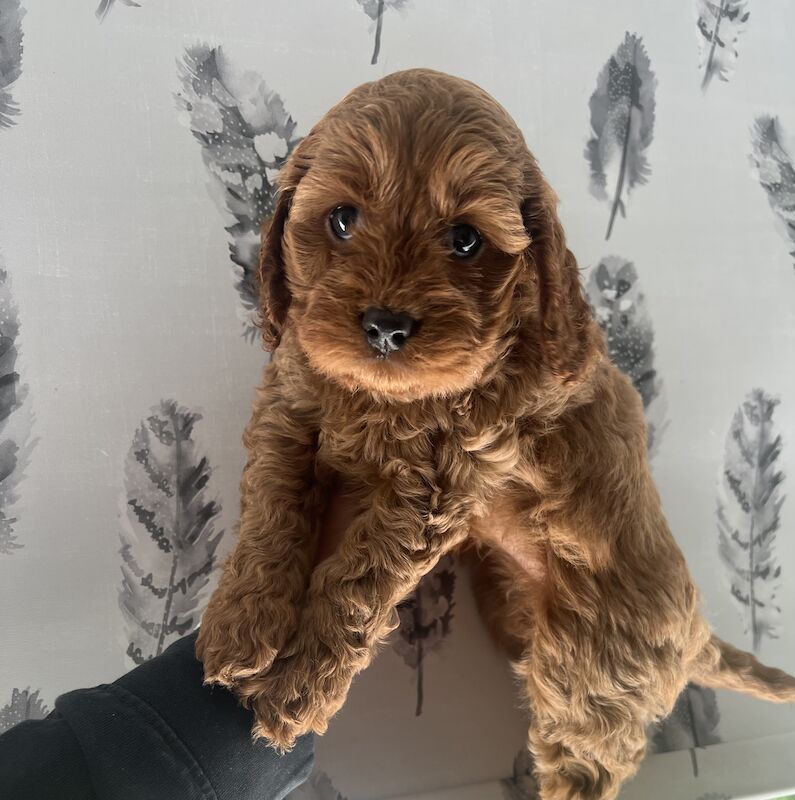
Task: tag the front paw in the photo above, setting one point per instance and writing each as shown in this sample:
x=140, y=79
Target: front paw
x=235, y=644
x=298, y=695
x=229, y=663
x=279, y=721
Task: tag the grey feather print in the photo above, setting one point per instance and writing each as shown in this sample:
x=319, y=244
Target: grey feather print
x=317, y=787
x=11, y=14
x=106, y=5
x=16, y=419
x=692, y=724
x=522, y=785
x=24, y=705
x=775, y=170
x=719, y=27
x=426, y=617
x=168, y=538
x=622, y=125
x=375, y=10
x=620, y=308
x=245, y=136
x=749, y=506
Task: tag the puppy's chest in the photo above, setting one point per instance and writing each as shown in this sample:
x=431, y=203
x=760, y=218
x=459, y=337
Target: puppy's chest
x=368, y=448
x=449, y=458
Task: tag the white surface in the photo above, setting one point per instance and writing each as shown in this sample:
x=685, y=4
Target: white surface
x=762, y=769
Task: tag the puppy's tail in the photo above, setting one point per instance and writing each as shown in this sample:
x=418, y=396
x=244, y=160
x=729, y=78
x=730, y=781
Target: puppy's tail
x=740, y=671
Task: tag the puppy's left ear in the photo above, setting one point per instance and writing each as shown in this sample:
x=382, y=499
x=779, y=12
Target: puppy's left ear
x=274, y=289
x=566, y=320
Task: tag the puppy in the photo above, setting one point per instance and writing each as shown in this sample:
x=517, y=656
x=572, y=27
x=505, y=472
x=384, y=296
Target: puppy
x=435, y=358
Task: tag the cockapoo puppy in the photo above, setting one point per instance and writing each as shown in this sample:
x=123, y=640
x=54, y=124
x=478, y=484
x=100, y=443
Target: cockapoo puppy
x=435, y=358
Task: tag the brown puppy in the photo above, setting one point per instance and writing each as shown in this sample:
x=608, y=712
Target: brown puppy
x=436, y=357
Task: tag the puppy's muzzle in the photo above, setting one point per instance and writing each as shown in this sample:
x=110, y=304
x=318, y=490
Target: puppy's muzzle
x=387, y=332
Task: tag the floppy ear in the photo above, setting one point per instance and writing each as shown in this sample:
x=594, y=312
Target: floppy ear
x=566, y=320
x=274, y=289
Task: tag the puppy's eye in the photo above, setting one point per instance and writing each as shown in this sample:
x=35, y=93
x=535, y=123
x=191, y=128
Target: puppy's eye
x=464, y=240
x=341, y=220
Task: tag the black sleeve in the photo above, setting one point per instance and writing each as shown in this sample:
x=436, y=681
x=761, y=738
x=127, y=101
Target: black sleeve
x=154, y=733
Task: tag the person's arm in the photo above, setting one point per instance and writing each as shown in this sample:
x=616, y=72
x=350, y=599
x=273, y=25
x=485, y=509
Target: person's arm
x=154, y=733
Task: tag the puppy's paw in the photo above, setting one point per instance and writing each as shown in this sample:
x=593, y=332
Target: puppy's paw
x=229, y=665
x=232, y=647
x=298, y=695
x=274, y=723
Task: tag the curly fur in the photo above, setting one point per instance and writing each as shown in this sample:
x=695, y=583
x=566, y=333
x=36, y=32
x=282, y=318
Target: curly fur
x=500, y=423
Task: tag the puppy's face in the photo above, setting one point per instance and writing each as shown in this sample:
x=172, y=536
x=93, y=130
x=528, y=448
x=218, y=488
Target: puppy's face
x=404, y=244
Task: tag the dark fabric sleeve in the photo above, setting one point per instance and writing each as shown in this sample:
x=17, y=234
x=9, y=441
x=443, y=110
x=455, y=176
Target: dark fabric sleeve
x=42, y=759
x=155, y=733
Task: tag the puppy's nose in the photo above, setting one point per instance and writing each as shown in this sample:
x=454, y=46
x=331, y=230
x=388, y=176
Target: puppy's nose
x=385, y=331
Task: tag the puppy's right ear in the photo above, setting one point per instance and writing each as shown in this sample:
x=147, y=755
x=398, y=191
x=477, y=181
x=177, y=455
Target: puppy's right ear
x=274, y=293
x=274, y=289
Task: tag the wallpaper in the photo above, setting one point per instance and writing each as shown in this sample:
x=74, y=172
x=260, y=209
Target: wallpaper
x=140, y=148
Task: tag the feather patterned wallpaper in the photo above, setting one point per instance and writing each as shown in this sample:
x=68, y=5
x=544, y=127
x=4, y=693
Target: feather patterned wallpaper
x=622, y=121
x=167, y=532
x=135, y=179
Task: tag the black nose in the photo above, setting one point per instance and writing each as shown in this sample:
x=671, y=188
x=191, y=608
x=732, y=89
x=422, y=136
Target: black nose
x=385, y=331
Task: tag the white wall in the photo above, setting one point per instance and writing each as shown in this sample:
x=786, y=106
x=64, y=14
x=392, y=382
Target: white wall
x=119, y=271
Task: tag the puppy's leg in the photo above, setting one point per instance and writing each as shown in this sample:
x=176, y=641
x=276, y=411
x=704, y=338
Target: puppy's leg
x=591, y=707
x=350, y=608
x=617, y=624
x=598, y=676
x=595, y=774
x=587, y=734
x=255, y=607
